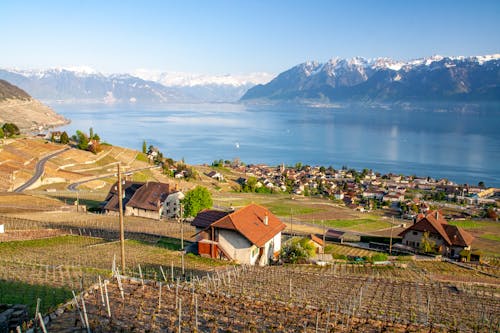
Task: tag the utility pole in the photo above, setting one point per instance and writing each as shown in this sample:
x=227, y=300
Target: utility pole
x=120, y=209
x=390, y=239
x=182, y=226
x=291, y=222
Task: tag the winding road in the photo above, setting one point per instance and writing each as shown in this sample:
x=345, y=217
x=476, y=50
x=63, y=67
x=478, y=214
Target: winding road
x=39, y=168
x=73, y=186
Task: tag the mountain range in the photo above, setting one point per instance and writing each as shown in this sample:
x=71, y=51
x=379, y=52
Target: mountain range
x=357, y=79
x=84, y=85
x=436, y=78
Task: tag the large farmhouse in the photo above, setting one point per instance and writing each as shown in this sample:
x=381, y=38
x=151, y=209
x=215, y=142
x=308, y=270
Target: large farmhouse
x=250, y=235
x=447, y=239
x=151, y=200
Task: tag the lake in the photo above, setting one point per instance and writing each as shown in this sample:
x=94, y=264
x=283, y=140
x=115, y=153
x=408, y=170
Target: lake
x=461, y=143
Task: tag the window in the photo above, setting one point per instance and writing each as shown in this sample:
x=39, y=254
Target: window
x=415, y=233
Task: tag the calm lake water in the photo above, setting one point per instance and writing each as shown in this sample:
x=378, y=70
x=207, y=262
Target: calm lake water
x=461, y=143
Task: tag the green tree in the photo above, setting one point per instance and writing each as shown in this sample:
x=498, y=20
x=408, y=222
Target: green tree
x=2, y=135
x=144, y=147
x=196, y=200
x=91, y=133
x=10, y=129
x=64, y=138
x=82, y=140
x=297, y=250
x=481, y=184
x=427, y=245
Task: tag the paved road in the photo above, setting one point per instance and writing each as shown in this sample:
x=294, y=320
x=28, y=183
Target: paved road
x=39, y=168
x=73, y=186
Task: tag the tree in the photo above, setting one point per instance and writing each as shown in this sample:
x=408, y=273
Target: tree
x=64, y=138
x=481, y=184
x=144, y=147
x=82, y=140
x=196, y=200
x=10, y=129
x=298, y=250
x=427, y=245
x=2, y=135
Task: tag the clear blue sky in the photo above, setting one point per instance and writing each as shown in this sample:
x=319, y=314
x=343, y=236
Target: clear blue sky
x=231, y=36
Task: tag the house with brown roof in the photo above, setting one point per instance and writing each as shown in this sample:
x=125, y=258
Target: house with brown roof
x=449, y=240
x=250, y=235
x=139, y=199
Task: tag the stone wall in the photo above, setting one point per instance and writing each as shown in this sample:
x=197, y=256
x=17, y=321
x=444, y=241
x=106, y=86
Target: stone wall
x=12, y=316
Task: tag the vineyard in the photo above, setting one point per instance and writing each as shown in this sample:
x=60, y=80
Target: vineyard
x=341, y=298
x=47, y=253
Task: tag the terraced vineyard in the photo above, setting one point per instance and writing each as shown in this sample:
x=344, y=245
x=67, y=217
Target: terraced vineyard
x=341, y=298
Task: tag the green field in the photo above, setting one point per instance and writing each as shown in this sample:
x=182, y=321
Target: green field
x=371, y=223
x=16, y=292
x=470, y=224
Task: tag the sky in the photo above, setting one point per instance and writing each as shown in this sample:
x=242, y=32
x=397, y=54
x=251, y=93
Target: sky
x=234, y=37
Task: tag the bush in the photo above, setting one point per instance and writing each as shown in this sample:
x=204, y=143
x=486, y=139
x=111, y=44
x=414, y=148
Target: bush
x=297, y=250
x=378, y=257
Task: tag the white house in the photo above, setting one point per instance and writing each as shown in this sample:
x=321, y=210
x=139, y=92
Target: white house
x=250, y=235
x=172, y=204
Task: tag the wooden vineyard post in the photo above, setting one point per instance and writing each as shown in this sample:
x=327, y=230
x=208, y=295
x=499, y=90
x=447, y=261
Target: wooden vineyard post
x=42, y=324
x=180, y=314
x=102, y=293
x=140, y=274
x=182, y=264
x=85, y=314
x=163, y=274
x=159, y=298
x=38, y=300
x=107, y=298
x=172, y=271
x=196, y=312
x=77, y=307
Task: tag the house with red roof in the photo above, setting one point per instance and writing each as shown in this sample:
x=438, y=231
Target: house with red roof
x=449, y=240
x=250, y=235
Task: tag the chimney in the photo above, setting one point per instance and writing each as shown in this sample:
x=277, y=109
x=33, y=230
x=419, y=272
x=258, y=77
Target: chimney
x=437, y=215
x=266, y=220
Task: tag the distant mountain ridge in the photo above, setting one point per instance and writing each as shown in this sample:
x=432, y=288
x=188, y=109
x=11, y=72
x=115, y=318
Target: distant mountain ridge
x=17, y=107
x=72, y=86
x=83, y=85
x=435, y=78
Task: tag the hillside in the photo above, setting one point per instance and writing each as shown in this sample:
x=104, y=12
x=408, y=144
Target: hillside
x=437, y=78
x=17, y=107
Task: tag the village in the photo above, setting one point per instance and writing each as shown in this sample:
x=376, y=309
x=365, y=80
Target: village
x=366, y=190
x=224, y=233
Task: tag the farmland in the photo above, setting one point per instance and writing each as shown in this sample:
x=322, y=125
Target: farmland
x=341, y=298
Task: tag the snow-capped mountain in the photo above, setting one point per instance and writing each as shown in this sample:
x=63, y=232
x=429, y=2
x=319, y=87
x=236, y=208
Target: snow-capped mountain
x=84, y=85
x=203, y=87
x=383, y=79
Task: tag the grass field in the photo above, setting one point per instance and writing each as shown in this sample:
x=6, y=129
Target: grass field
x=475, y=224
x=16, y=292
x=367, y=224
